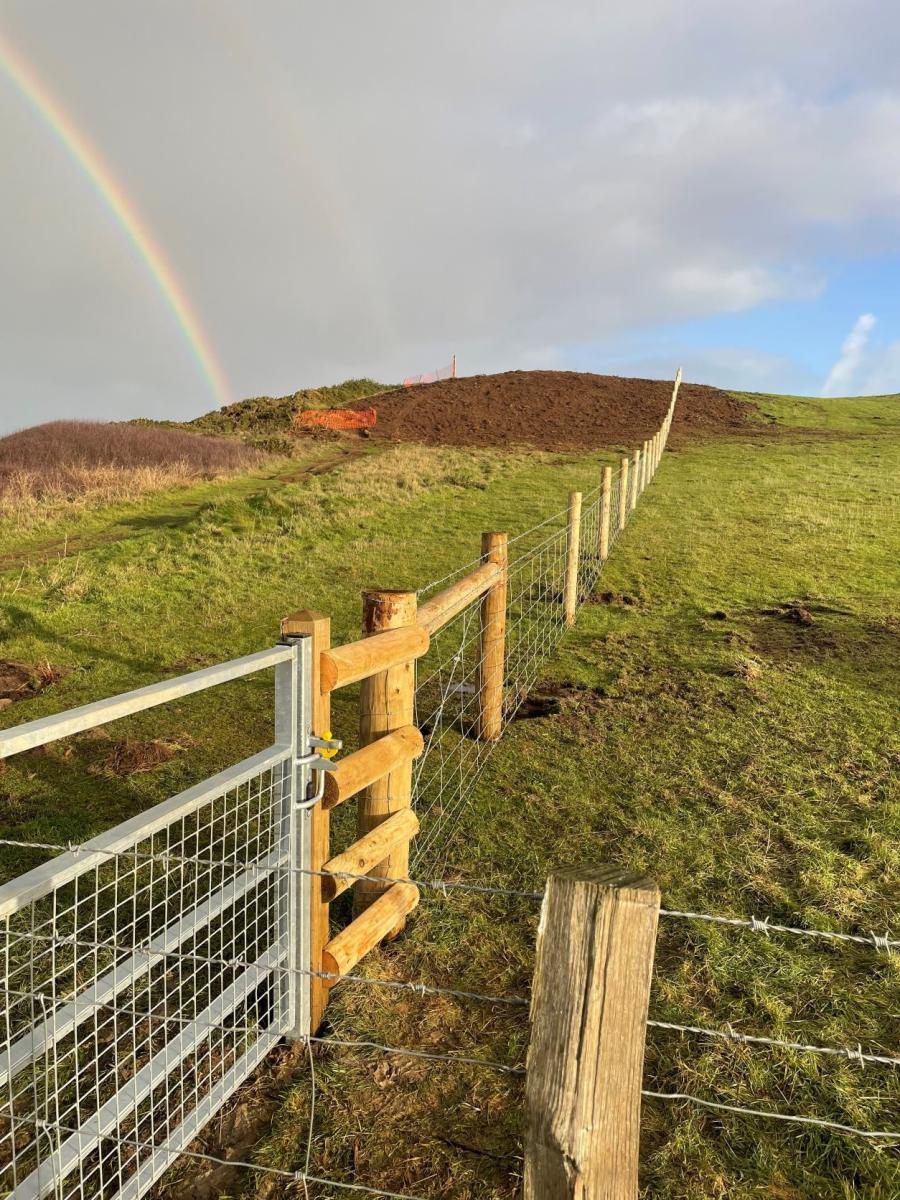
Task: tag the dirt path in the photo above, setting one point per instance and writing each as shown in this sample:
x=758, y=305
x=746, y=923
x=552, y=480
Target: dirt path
x=180, y=514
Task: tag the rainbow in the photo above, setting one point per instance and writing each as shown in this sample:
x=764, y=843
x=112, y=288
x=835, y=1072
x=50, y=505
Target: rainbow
x=23, y=76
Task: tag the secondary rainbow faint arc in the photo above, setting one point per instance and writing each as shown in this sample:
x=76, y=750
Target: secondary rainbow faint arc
x=23, y=75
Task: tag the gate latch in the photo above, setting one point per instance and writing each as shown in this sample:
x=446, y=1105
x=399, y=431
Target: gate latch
x=327, y=743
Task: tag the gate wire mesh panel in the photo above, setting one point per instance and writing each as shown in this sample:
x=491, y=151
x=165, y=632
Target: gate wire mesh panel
x=141, y=988
x=448, y=682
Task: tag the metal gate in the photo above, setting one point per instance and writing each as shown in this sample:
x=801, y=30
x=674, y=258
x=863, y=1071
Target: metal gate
x=149, y=971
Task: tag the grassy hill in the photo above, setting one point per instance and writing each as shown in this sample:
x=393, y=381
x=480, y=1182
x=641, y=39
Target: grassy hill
x=702, y=731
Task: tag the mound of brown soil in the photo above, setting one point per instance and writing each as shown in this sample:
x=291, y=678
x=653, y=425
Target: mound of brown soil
x=566, y=410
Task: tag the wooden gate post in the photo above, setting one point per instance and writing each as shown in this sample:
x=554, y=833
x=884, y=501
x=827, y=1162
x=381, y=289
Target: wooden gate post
x=318, y=628
x=623, y=495
x=573, y=544
x=492, y=648
x=589, y=1005
x=605, y=491
x=386, y=703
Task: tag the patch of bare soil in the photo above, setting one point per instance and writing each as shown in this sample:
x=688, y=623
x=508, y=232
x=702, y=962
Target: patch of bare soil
x=809, y=631
x=615, y=599
x=22, y=681
x=566, y=410
x=133, y=755
x=554, y=697
x=233, y=1135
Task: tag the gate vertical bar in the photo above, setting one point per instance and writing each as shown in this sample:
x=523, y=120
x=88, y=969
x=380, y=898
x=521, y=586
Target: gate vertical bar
x=296, y=709
x=318, y=628
x=285, y=735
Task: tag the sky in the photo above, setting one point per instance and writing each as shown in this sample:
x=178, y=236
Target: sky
x=202, y=200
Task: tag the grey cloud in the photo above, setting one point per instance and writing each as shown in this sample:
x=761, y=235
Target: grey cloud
x=364, y=188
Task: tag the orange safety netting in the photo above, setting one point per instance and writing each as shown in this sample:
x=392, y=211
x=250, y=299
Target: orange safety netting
x=448, y=372
x=336, y=418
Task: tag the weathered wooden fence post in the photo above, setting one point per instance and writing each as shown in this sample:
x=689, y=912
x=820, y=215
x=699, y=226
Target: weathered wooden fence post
x=573, y=545
x=623, y=495
x=318, y=627
x=492, y=649
x=386, y=703
x=605, y=494
x=589, y=1013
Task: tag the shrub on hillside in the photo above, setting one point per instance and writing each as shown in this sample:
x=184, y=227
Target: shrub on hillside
x=263, y=416
x=77, y=458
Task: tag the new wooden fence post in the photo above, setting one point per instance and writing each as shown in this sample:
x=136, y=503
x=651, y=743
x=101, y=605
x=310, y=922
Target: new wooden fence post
x=573, y=543
x=492, y=650
x=317, y=627
x=623, y=495
x=635, y=480
x=605, y=493
x=589, y=1005
x=386, y=703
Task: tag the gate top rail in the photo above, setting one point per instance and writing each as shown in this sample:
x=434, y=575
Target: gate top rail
x=76, y=720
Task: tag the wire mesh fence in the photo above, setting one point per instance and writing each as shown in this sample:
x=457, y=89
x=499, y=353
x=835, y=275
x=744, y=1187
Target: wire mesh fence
x=449, y=689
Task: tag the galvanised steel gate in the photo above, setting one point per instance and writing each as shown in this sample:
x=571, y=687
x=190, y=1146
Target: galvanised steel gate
x=148, y=972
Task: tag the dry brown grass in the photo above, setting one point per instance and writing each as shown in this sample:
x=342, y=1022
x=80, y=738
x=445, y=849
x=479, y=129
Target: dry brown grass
x=70, y=462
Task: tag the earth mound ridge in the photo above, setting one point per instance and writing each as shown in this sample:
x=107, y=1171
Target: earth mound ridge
x=565, y=410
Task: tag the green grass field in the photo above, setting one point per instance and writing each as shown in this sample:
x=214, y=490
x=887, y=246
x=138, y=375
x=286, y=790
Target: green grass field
x=741, y=752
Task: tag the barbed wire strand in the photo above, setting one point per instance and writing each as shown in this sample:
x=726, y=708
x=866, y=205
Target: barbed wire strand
x=438, y=885
x=233, y=1163
x=732, y=1035
x=773, y=1116
x=408, y=1052
x=241, y=964
x=766, y=926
